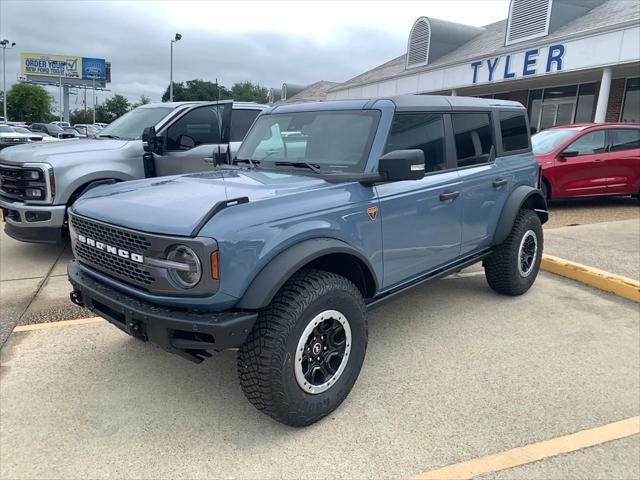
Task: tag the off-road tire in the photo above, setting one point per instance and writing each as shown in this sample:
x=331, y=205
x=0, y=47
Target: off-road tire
x=501, y=267
x=266, y=359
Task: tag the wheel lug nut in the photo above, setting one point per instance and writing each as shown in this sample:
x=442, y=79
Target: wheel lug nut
x=325, y=347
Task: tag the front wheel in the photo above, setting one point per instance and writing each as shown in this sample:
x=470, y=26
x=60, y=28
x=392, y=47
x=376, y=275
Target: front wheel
x=514, y=264
x=306, y=349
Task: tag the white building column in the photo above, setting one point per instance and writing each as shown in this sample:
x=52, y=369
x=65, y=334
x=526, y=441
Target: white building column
x=603, y=96
x=454, y=92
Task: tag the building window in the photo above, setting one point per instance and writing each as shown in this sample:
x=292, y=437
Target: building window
x=423, y=131
x=535, y=100
x=586, y=99
x=513, y=126
x=631, y=105
x=472, y=133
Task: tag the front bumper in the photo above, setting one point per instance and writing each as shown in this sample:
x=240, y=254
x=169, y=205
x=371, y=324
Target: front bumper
x=33, y=223
x=186, y=333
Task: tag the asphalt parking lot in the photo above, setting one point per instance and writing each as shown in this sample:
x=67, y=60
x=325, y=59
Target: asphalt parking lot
x=453, y=372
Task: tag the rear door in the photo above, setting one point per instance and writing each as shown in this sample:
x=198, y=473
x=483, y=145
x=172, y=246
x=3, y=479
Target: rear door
x=420, y=218
x=190, y=139
x=623, y=161
x=580, y=168
x=485, y=182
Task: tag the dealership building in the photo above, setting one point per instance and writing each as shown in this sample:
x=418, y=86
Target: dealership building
x=567, y=61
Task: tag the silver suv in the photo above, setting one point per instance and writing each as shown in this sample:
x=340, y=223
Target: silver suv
x=39, y=182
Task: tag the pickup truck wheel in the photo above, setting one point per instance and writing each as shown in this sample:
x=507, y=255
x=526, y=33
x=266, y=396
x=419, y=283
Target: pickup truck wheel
x=513, y=266
x=306, y=349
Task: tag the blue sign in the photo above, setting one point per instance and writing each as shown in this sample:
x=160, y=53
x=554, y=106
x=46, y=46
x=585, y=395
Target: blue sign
x=504, y=68
x=94, y=69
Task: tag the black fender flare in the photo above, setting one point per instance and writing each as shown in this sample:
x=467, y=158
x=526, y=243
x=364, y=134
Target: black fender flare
x=523, y=196
x=280, y=268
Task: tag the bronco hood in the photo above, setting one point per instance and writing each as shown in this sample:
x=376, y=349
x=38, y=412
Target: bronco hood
x=176, y=205
x=55, y=152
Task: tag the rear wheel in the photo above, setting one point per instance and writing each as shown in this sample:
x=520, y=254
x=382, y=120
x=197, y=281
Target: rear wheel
x=513, y=266
x=306, y=350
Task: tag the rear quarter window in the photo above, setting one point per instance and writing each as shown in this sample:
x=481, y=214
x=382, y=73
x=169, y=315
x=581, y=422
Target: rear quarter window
x=625, y=139
x=513, y=126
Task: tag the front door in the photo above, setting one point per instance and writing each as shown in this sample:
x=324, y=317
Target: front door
x=580, y=169
x=191, y=141
x=420, y=218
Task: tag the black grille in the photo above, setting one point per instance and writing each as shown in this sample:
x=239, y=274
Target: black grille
x=13, y=183
x=108, y=262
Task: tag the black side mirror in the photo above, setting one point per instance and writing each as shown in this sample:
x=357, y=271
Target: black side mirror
x=148, y=139
x=569, y=154
x=402, y=165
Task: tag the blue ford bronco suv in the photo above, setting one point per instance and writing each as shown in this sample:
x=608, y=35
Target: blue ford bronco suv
x=328, y=210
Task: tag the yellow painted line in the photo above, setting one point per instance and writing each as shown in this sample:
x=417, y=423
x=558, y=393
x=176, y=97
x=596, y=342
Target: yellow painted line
x=62, y=323
x=535, y=451
x=609, y=282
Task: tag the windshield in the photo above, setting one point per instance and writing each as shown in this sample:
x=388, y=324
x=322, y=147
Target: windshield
x=548, y=140
x=54, y=128
x=130, y=125
x=5, y=129
x=329, y=140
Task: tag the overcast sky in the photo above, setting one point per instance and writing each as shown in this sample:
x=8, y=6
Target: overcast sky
x=268, y=42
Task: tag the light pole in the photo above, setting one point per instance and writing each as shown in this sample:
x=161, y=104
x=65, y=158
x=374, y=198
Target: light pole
x=173, y=40
x=4, y=43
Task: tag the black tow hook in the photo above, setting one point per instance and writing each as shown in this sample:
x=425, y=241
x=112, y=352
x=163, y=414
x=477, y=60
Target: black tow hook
x=137, y=330
x=76, y=298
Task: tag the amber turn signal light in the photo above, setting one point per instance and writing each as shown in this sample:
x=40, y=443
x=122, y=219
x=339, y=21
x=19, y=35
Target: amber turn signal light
x=215, y=265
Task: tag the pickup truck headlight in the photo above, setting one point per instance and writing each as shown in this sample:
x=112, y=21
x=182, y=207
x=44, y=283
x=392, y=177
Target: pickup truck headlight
x=187, y=271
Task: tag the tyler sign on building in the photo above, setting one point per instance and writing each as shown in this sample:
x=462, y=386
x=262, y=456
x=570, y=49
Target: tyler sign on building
x=519, y=65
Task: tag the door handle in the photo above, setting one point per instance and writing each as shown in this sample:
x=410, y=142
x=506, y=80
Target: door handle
x=444, y=197
x=598, y=160
x=499, y=182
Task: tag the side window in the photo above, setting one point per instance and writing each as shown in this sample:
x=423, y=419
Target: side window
x=241, y=120
x=625, y=139
x=424, y=131
x=198, y=127
x=513, y=126
x=590, y=143
x=472, y=133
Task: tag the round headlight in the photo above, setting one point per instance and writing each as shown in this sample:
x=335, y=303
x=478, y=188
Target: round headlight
x=188, y=274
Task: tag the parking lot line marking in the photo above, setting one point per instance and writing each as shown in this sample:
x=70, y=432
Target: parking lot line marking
x=62, y=323
x=535, y=451
x=609, y=282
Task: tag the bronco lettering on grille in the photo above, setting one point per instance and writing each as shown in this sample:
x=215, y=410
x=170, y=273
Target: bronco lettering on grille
x=111, y=249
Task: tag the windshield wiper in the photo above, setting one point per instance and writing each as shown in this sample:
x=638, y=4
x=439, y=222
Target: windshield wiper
x=253, y=163
x=311, y=166
x=109, y=136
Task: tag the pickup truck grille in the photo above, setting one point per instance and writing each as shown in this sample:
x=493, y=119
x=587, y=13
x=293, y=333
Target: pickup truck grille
x=13, y=140
x=110, y=263
x=15, y=181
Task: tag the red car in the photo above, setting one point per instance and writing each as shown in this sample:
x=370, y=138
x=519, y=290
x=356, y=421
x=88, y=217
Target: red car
x=588, y=159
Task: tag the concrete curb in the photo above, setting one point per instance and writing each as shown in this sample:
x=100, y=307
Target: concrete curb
x=609, y=282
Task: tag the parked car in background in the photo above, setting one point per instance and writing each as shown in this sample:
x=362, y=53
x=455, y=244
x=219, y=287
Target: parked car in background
x=74, y=132
x=88, y=130
x=191, y=137
x=100, y=125
x=51, y=129
x=33, y=136
x=587, y=159
x=61, y=124
x=9, y=137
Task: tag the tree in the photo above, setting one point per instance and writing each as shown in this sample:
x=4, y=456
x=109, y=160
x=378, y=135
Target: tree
x=143, y=101
x=112, y=108
x=81, y=116
x=249, y=92
x=28, y=103
x=194, y=90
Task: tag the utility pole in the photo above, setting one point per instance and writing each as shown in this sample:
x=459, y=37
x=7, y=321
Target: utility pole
x=4, y=44
x=61, y=107
x=173, y=40
x=94, y=100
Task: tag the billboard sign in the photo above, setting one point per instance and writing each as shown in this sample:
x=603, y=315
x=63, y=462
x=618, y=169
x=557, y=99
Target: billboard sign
x=94, y=69
x=62, y=66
